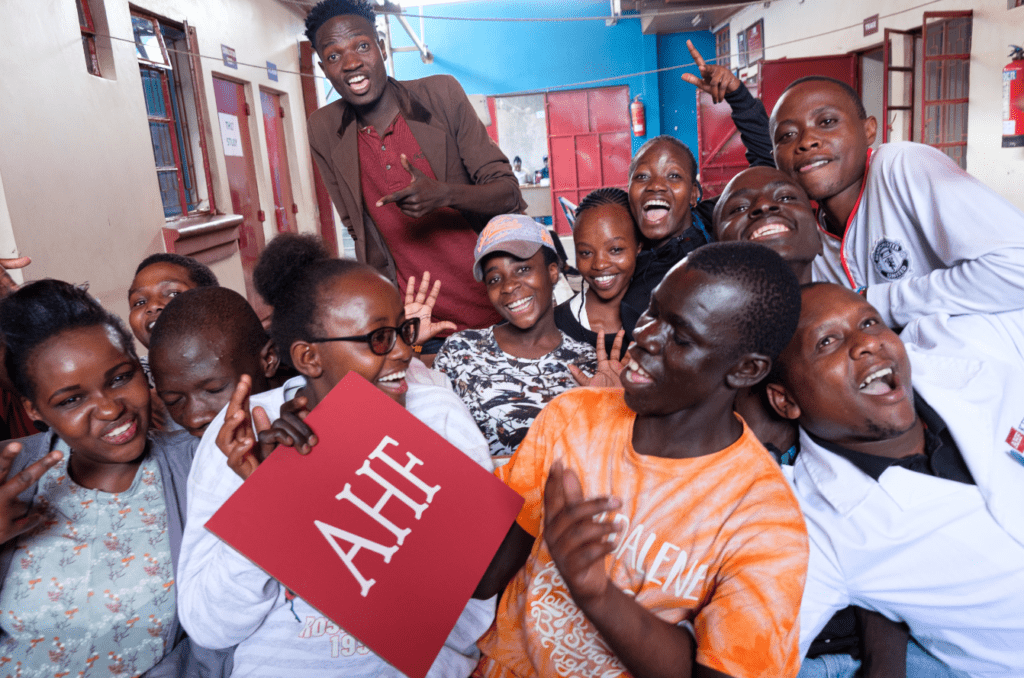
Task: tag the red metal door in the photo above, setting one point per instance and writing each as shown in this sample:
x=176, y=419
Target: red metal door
x=589, y=143
x=721, y=152
x=777, y=74
x=233, y=112
x=277, y=153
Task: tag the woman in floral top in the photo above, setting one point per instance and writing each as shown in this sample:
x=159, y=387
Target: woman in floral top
x=88, y=586
x=507, y=373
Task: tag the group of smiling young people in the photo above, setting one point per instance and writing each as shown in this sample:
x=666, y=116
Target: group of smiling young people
x=751, y=485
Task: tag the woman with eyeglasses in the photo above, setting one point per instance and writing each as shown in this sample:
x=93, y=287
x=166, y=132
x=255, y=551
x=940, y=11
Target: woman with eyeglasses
x=331, y=317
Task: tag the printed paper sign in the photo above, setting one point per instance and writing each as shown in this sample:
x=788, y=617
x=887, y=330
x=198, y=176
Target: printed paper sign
x=230, y=135
x=385, y=528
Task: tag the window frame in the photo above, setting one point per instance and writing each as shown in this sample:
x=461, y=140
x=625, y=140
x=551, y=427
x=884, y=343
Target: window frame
x=88, y=30
x=190, y=202
x=723, y=47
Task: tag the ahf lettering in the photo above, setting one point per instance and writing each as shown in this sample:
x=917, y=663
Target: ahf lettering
x=334, y=534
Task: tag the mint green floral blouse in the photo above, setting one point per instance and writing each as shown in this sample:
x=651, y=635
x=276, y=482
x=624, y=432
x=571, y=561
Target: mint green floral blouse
x=91, y=591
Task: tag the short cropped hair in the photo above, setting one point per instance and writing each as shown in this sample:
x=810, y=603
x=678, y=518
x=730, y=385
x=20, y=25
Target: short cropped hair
x=211, y=308
x=326, y=10
x=850, y=92
x=198, y=273
x=290, y=275
x=42, y=310
x=687, y=153
x=768, y=322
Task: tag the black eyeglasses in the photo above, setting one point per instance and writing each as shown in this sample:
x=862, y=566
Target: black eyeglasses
x=383, y=339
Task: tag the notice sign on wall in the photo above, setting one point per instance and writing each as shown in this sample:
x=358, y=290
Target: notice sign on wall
x=385, y=528
x=230, y=135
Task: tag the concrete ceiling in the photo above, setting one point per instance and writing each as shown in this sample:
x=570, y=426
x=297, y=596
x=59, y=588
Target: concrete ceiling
x=656, y=16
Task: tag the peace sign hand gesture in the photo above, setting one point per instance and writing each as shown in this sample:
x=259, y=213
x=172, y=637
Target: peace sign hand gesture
x=714, y=79
x=15, y=516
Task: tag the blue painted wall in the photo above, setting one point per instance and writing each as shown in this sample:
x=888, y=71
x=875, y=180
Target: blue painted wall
x=678, y=98
x=505, y=57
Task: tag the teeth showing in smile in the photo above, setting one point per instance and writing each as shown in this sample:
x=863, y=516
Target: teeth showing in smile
x=636, y=374
x=876, y=383
x=519, y=305
x=358, y=83
x=651, y=204
x=112, y=436
x=814, y=165
x=604, y=280
x=394, y=376
x=768, y=229
x=149, y=325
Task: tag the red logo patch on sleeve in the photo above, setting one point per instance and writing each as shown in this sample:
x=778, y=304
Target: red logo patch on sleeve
x=1016, y=440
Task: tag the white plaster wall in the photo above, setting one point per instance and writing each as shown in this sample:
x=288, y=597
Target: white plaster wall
x=76, y=159
x=801, y=23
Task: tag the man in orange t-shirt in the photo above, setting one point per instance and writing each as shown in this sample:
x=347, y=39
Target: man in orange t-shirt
x=665, y=540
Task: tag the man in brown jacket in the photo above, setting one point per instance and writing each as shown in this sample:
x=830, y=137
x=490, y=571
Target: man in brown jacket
x=409, y=166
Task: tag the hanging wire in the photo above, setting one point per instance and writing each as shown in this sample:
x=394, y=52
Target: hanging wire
x=553, y=88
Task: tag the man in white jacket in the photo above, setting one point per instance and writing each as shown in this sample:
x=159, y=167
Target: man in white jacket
x=903, y=224
x=911, y=492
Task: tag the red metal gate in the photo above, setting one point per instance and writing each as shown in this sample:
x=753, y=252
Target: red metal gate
x=589, y=144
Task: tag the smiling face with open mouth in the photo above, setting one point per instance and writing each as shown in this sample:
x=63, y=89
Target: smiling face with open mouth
x=606, y=249
x=847, y=373
x=821, y=141
x=353, y=305
x=662, y=192
x=763, y=205
x=151, y=290
x=352, y=58
x=521, y=290
x=92, y=394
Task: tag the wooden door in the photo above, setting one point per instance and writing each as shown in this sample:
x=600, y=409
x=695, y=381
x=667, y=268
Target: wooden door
x=233, y=113
x=277, y=154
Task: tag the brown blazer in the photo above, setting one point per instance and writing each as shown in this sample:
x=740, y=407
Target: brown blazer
x=451, y=135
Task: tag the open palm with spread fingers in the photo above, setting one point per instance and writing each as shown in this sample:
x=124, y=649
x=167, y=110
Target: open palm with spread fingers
x=420, y=304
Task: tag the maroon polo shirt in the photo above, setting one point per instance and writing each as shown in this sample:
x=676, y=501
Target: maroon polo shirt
x=441, y=242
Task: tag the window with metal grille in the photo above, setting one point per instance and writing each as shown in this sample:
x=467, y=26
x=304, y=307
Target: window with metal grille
x=946, y=70
x=173, y=107
x=85, y=23
x=722, y=47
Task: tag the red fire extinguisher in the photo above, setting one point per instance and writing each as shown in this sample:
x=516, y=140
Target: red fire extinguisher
x=1013, y=99
x=636, y=114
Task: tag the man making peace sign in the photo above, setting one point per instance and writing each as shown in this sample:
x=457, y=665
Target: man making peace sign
x=409, y=166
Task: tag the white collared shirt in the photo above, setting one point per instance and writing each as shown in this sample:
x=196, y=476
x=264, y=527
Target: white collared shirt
x=945, y=557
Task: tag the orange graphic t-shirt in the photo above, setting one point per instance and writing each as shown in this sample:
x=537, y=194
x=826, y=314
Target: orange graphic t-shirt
x=716, y=543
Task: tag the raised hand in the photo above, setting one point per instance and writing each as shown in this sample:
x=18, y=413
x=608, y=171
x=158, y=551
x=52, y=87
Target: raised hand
x=422, y=196
x=578, y=542
x=236, y=438
x=7, y=284
x=15, y=516
x=420, y=304
x=608, y=369
x=714, y=79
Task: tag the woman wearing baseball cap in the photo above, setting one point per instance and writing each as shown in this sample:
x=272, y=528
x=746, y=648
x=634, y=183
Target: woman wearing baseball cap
x=507, y=373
